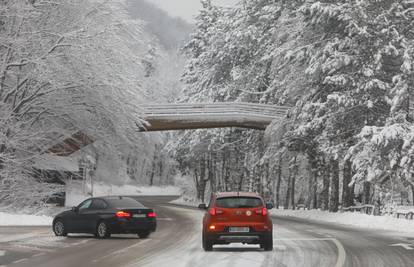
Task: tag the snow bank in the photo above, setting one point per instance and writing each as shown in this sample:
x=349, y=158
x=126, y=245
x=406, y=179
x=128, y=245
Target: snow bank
x=188, y=191
x=352, y=219
x=347, y=218
x=7, y=219
x=186, y=201
x=75, y=195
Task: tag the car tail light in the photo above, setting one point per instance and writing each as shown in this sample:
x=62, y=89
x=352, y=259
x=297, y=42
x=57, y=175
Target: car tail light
x=151, y=215
x=212, y=211
x=262, y=211
x=123, y=214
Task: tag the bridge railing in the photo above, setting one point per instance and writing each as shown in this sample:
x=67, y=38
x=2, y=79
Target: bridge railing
x=216, y=109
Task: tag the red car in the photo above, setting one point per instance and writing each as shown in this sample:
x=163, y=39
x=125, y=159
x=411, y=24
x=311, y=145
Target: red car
x=236, y=217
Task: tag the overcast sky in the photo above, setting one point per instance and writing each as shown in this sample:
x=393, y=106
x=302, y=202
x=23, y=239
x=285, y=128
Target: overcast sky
x=187, y=9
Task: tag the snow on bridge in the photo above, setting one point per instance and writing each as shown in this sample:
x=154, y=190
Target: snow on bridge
x=164, y=117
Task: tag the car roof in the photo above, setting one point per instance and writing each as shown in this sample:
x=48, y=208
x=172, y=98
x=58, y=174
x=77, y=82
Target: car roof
x=113, y=197
x=236, y=194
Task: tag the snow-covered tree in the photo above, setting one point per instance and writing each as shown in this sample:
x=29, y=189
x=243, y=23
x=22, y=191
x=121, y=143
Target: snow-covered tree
x=68, y=66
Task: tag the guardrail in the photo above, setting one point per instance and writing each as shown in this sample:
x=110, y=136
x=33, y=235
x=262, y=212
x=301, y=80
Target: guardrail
x=400, y=211
x=215, y=108
x=367, y=209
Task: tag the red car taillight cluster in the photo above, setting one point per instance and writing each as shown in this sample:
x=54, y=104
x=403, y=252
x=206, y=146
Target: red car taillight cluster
x=214, y=211
x=151, y=215
x=123, y=214
x=262, y=211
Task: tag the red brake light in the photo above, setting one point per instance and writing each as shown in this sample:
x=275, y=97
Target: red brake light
x=264, y=211
x=212, y=211
x=152, y=215
x=123, y=214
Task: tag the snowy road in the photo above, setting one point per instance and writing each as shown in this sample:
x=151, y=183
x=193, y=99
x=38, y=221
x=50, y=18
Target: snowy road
x=177, y=243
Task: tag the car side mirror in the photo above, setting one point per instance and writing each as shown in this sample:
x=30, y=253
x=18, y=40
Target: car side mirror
x=269, y=206
x=75, y=209
x=202, y=206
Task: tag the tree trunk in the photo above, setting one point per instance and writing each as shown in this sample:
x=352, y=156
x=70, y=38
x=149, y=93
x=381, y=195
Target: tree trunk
x=201, y=181
x=311, y=201
x=154, y=166
x=211, y=171
x=366, y=197
x=289, y=184
x=325, y=190
x=334, y=195
x=292, y=193
x=347, y=191
x=279, y=179
x=293, y=171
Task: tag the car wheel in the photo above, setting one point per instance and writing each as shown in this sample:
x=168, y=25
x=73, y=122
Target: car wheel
x=267, y=243
x=59, y=228
x=144, y=234
x=207, y=244
x=102, y=230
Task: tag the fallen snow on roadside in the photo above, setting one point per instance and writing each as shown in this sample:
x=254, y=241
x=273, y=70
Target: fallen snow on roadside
x=188, y=252
x=346, y=218
x=105, y=189
x=351, y=219
x=7, y=219
x=185, y=201
x=75, y=195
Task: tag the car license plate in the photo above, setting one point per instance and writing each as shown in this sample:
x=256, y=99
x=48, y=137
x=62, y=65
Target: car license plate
x=139, y=215
x=239, y=229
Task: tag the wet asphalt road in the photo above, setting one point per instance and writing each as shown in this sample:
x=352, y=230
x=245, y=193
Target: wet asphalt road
x=177, y=242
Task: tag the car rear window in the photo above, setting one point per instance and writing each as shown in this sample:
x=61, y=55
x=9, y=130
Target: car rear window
x=239, y=202
x=124, y=202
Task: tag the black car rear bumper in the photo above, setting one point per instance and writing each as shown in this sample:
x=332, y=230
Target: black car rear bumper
x=125, y=226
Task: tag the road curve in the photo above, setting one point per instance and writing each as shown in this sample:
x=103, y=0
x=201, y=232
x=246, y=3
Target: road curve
x=177, y=243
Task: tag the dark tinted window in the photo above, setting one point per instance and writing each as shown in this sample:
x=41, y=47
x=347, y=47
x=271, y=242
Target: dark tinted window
x=98, y=204
x=239, y=202
x=124, y=202
x=86, y=204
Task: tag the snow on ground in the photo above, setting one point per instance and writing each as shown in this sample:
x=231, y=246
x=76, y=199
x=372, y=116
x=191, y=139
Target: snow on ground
x=190, y=253
x=7, y=219
x=185, y=201
x=75, y=195
x=352, y=219
x=345, y=218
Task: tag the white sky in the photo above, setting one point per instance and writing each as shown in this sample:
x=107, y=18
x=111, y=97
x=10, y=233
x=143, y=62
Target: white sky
x=187, y=9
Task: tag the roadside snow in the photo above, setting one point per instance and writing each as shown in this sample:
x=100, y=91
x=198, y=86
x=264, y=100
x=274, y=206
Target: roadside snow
x=346, y=218
x=105, y=190
x=7, y=219
x=352, y=219
x=185, y=201
x=75, y=195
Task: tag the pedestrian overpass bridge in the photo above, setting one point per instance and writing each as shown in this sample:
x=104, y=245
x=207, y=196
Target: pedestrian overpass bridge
x=164, y=117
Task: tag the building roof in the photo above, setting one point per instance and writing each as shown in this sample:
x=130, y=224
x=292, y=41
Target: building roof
x=70, y=144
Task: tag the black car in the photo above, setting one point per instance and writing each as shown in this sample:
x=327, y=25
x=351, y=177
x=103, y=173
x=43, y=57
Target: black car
x=104, y=216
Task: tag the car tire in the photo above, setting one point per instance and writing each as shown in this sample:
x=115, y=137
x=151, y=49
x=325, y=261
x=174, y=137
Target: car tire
x=207, y=243
x=102, y=230
x=144, y=234
x=267, y=242
x=59, y=228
